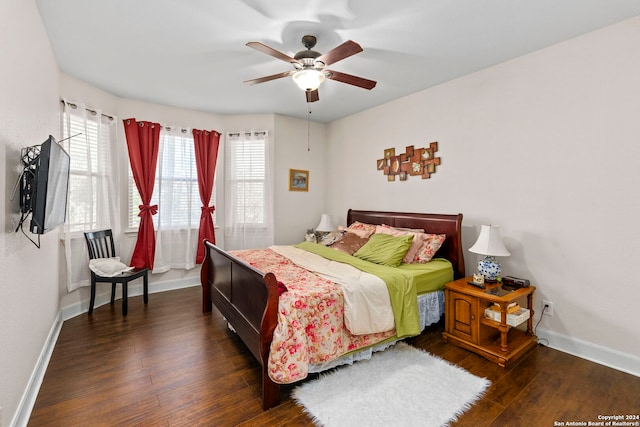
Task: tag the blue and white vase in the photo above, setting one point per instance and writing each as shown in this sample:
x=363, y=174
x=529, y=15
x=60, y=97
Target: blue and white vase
x=489, y=268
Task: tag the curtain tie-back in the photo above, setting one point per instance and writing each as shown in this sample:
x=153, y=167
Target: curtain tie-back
x=208, y=209
x=153, y=209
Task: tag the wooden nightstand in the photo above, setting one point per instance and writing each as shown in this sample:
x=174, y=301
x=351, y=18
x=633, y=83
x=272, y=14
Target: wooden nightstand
x=466, y=325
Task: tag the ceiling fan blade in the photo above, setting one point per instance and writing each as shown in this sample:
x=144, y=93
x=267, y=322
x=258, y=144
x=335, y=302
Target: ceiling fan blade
x=271, y=51
x=351, y=80
x=312, y=95
x=268, y=78
x=341, y=52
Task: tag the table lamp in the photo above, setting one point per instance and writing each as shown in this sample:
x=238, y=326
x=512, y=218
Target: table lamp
x=326, y=225
x=490, y=245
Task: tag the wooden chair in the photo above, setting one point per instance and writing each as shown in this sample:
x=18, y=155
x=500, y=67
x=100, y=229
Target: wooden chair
x=100, y=245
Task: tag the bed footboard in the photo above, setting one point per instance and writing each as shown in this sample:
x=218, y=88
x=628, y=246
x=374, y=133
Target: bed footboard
x=248, y=300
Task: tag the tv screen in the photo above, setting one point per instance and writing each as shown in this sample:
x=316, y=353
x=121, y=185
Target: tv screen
x=49, y=205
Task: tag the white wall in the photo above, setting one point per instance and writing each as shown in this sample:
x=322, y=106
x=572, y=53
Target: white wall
x=546, y=146
x=29, y=112
x=299, y=145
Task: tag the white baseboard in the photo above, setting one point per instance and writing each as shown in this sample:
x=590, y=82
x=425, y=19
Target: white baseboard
x=615, y=359
x=23, y=413
x=81, y=307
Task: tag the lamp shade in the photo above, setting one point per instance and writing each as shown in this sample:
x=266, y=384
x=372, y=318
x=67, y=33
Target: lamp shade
x=489, y=242
x=325, y=224
x=308, y=79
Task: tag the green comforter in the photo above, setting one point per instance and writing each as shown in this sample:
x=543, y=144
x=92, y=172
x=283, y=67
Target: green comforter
x=399, y=281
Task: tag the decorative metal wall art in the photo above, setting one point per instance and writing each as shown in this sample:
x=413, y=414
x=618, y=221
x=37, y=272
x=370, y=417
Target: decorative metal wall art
x=418, y=161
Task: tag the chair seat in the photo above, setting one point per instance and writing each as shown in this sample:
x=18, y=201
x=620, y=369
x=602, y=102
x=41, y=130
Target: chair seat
x=129, y=275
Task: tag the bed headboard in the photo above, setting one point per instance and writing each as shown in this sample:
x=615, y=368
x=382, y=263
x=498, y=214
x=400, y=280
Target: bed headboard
x=451, y=225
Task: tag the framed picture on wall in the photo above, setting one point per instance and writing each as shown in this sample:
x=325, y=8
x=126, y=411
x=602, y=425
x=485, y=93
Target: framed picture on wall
x=298, y=180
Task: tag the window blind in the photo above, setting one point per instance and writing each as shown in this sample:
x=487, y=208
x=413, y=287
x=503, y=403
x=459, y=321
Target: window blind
x=88, y=156
x=246, y=174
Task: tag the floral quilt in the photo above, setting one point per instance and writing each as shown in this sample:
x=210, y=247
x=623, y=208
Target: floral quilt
x=310, y=326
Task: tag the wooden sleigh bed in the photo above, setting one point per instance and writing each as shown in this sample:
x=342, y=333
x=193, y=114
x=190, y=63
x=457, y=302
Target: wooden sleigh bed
x=248, y=298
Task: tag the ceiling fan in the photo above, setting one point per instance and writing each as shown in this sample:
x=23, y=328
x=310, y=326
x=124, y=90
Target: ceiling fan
x=309, y=66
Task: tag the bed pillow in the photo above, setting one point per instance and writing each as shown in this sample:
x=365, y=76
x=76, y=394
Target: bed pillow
x=108, y=267
x=420, y=239
x=434, y=242
x=361, y=229
x=330, y=238
x=349, y=243
x=385, y=249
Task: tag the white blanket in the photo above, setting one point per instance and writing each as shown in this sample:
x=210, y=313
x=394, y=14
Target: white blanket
x=367, y=307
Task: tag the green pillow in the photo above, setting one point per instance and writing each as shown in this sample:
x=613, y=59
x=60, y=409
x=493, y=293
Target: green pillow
x=385, y=249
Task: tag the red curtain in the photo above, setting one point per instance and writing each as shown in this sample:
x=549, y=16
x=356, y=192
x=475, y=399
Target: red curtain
x=206, y=145
x=143, y=140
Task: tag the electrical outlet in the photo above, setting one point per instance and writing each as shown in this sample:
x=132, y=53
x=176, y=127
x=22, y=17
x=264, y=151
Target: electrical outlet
x=549, y=307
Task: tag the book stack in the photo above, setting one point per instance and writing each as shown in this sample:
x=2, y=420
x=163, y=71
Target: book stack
x=513, y=318
x=511, y=308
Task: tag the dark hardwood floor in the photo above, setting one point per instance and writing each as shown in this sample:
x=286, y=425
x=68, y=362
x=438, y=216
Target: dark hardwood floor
x=167, y=364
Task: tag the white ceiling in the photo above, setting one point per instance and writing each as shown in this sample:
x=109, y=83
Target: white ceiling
x=192, y=54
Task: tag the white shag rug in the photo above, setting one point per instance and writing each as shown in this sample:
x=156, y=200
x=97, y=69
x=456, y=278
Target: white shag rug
x=401, y=386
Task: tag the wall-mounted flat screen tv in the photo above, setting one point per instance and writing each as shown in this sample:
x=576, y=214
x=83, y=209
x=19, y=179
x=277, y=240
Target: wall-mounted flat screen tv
x=49, y=205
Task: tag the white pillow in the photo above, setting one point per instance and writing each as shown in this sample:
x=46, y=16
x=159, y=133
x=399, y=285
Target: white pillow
x=108, y=267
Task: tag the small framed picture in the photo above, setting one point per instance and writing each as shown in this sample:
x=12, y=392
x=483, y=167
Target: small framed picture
x=298, y=180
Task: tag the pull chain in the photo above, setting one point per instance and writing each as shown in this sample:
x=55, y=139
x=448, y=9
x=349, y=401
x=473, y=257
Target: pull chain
x=309, y=130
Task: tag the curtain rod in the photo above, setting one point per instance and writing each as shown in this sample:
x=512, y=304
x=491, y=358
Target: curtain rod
x=247, y=133
x=169, y=128
x=94, y=112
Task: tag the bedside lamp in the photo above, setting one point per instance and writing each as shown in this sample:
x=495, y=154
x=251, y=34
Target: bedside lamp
x=490, y=245
x=326, y=225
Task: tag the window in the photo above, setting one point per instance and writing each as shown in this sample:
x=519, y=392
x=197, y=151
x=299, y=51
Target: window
x=176, y=186
x=248, y=191
x=89, y=168
x=246, y=178
x=90, y=139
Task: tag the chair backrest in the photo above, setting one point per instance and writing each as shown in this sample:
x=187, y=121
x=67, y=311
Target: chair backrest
x=100, y=244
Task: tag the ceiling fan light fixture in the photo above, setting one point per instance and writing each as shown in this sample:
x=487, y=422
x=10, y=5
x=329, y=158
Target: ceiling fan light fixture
x=308, y=79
